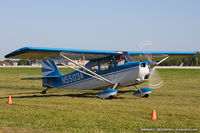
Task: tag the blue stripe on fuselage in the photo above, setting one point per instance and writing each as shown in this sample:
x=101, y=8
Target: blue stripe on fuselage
x=91, y=78
x=77, y=77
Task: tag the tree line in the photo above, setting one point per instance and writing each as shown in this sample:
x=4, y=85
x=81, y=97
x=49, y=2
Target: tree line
x=192, y=60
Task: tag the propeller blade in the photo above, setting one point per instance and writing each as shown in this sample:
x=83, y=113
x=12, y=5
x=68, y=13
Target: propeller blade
x=155, y=81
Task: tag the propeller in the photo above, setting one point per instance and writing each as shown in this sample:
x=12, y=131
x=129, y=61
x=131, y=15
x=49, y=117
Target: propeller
x=155, y=81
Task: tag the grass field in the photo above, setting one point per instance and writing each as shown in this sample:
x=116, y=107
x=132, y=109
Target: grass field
x=60, y=110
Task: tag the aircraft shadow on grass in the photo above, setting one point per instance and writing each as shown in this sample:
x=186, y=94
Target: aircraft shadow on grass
x=82, y=95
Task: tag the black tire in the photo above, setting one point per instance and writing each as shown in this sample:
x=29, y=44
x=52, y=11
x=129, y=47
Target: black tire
x=146, y=96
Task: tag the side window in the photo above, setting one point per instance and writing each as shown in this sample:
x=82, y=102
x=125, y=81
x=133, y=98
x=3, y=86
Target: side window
x=119, y=60
x=94, y=66
x=106, y=64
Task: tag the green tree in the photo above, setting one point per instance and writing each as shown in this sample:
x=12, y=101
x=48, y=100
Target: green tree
x=22, y=62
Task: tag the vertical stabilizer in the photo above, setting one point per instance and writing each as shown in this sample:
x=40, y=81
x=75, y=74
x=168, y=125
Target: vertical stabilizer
x=49, y=68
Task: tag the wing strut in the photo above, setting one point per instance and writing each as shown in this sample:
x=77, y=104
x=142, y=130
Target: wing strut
x=162, y=60
x=81, y=71
x=97, y=76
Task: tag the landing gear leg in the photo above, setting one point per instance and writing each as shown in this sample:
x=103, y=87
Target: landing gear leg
x=45, y=91
x=115, y=86
x=137, y=88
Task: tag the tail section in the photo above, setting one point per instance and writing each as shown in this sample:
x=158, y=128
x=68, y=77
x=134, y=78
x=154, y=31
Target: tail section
x=49, y=69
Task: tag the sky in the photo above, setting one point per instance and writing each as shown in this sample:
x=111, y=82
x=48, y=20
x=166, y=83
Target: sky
x=131, y=25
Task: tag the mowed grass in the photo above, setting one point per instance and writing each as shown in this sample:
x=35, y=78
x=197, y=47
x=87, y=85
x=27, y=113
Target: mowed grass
x=61, y=110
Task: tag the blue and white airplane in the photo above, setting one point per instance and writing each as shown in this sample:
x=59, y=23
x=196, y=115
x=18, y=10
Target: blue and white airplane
x=106, y=69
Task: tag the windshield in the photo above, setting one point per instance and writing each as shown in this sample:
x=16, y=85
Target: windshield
x=121, y=59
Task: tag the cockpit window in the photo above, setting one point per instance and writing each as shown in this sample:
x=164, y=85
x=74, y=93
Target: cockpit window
x=92, y=66
x=120, y=60
x=106, y=64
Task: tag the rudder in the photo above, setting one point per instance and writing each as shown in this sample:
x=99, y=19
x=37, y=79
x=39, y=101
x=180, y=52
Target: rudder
x=49, y=68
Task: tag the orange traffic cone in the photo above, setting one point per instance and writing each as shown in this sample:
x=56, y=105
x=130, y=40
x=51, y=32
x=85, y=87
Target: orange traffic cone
x=153, y=115
x=9, y=100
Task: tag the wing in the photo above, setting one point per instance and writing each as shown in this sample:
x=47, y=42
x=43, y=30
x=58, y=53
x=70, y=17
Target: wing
x=158, y=55
x=76, y=54
x=53, y=53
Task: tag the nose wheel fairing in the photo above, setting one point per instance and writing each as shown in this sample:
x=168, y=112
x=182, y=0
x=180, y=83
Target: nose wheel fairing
x=143, y=92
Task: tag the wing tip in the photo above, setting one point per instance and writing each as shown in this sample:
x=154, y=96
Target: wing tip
x=18, y=51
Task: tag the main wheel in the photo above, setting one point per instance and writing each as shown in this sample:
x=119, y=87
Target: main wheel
x=146, y=95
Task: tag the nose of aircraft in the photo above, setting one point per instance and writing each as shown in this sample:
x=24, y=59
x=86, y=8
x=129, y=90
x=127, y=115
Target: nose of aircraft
x=143, y=72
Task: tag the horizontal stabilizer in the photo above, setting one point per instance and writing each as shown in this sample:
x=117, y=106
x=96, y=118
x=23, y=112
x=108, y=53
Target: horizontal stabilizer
x=38, y=78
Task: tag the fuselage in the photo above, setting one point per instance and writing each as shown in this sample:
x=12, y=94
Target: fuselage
x=129, y=73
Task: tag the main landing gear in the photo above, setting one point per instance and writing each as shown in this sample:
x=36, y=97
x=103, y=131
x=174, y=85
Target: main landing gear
x=108, y=93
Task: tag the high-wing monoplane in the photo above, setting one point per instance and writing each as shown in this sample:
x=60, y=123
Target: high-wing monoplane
x=105, y=69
